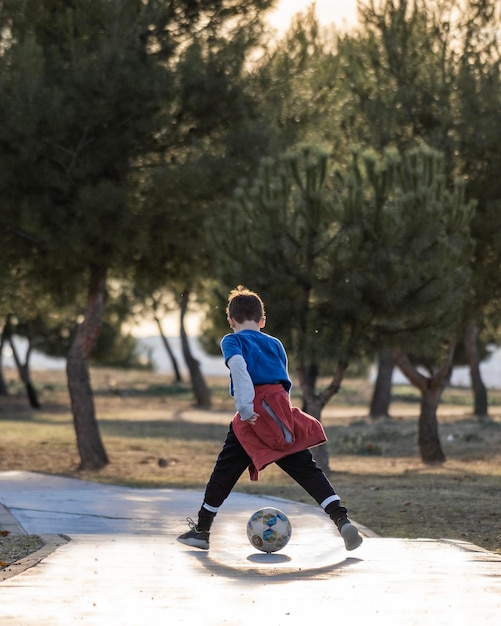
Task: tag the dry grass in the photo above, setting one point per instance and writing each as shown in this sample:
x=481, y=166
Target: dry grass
x=156, y=438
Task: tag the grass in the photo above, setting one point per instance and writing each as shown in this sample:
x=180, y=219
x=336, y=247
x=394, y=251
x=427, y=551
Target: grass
x=155, y=437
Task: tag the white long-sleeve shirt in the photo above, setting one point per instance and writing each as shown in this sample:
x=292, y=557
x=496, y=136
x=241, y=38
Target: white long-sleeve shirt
x=243, y=387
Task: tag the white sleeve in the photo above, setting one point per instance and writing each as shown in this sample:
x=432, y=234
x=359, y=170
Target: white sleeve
x=243, y=387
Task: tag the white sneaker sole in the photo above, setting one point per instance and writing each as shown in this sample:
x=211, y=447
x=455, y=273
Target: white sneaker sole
x=352, y=539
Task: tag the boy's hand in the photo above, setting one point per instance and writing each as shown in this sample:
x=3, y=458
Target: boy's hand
x=253, y=419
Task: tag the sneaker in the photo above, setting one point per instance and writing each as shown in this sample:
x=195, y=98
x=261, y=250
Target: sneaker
x=194, y=537
x=351, y=537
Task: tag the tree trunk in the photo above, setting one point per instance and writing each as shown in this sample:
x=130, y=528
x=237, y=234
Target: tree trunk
x=200, y=389
x=431, y=391
x=90, y=447
x=473, y=356
x=24, y=371
x=4, y=391
x=25, y=376
x=171, y=354
x=428, y=437
x=381, y=397
x=31, y=391
x=313, y=404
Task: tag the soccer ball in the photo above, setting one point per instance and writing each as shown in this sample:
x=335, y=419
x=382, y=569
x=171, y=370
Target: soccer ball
x=269, y=529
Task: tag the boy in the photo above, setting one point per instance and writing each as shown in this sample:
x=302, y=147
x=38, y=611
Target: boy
x=266, y=428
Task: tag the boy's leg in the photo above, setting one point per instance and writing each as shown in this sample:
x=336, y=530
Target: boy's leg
x=302, y=468
x=230, y=465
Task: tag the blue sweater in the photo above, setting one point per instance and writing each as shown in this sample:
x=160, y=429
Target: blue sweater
x=265, y=357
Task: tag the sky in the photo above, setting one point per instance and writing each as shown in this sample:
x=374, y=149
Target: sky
x=340, y=12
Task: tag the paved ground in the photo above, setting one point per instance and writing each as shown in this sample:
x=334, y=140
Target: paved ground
x=112, y=558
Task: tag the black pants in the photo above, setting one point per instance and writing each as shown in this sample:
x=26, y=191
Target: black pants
x=233, y=460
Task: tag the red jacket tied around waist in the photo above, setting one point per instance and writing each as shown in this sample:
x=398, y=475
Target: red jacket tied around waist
x=280, y=429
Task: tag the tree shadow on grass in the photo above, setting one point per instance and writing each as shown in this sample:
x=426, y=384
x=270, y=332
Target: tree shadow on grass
x=160, y=429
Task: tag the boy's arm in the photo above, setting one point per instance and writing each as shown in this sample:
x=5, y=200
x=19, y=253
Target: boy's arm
x=243, y=388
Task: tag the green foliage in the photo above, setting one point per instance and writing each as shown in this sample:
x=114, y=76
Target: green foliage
x=404, y=246
x=301, y=86
x=422, y=70
x=67, y=137
x=94, y=96
x=351, y=259
x=113, y=349
x=278, y=232
x=479, y=131
x=400, y=70
x=216, y=133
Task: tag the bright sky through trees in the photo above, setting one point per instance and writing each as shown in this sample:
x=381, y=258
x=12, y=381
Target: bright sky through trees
x=339, y=12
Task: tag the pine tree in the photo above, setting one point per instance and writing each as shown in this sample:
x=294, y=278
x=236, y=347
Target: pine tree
x=406, y=245
x=86, y=107
x=352, y=259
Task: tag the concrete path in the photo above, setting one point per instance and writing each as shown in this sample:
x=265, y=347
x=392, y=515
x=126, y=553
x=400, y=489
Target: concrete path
x=112, y=559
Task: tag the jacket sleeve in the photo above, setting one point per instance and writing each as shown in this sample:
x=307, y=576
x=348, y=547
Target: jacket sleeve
x=243, y=387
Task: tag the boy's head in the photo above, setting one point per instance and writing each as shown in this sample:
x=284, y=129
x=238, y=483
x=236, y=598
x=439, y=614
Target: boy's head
x=244, y=305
